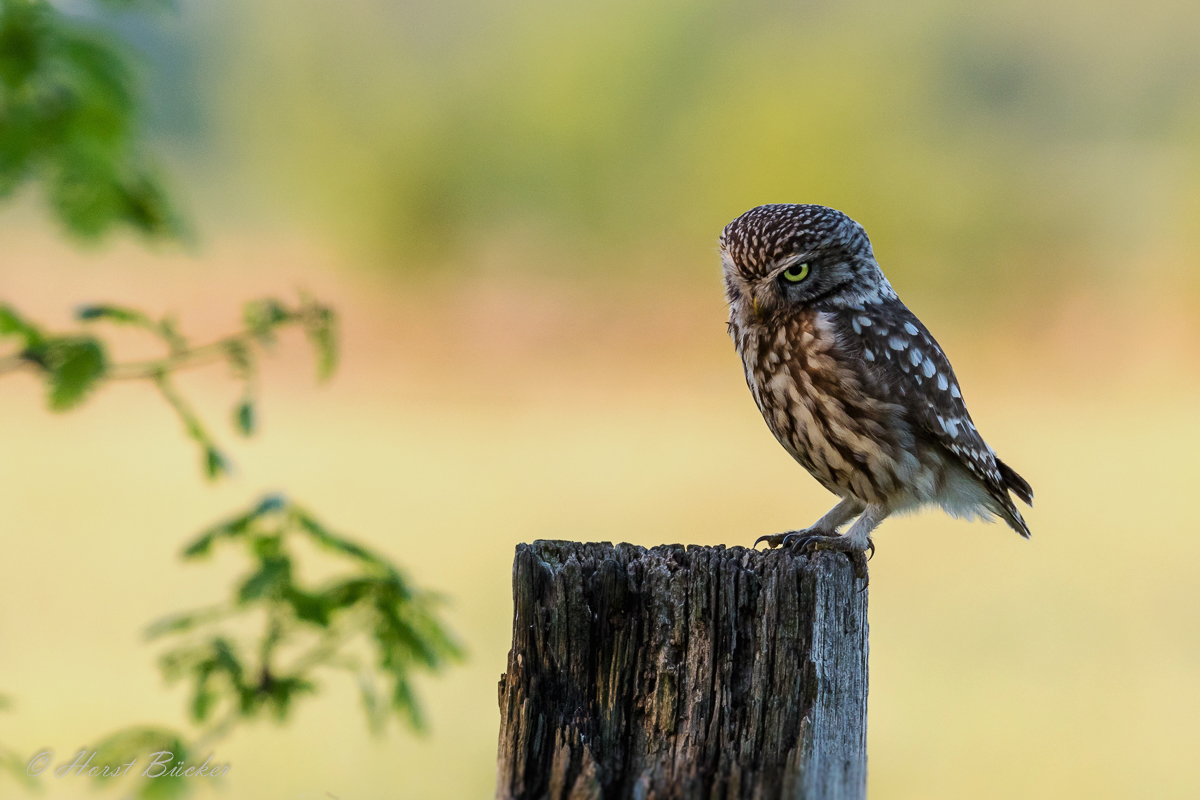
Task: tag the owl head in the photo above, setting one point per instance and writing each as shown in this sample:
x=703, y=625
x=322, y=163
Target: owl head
x=778, y=258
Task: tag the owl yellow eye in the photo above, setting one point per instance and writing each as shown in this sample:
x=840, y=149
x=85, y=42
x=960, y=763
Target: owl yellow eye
x=796, y=273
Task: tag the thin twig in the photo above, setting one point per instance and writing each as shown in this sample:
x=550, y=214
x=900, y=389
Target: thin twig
x=187, y=359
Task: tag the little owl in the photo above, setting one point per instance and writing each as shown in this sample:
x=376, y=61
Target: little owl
x=850, y=382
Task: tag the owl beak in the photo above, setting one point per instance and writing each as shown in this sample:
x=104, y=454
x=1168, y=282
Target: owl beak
x=756, y=308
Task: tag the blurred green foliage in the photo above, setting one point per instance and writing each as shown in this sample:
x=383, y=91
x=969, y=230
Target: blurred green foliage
x=264, y=649
x=304, y=628
x=1012, y=145
x=68, y=121
x=137, y=743
x=73, y=365
x=368, y=621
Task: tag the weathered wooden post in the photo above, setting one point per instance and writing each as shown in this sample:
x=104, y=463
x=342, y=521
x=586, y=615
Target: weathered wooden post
x=700, y=672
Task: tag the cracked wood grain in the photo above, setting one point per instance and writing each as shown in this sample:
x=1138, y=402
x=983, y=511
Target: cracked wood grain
x=673, y=673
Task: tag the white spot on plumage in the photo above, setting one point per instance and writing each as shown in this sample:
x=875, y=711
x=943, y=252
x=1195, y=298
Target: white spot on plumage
x=942, y=382
x=915, y=356
x=870, y=356
x=954, y=391
x=912, y=329
x=896, y=343
x=854, y=324
x=928, y=368
x=864, y=321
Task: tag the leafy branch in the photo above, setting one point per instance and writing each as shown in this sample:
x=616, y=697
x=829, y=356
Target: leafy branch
x=68, y=119
x=369, y=621
x=75, y=364
x=260, y=651
x=68, y=123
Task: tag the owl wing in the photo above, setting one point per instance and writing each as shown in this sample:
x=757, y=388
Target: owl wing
x=903, y=362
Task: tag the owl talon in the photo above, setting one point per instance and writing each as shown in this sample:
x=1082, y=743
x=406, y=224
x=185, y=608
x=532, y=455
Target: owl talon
x=859, y=561
x=772, y=540
x=811, y=541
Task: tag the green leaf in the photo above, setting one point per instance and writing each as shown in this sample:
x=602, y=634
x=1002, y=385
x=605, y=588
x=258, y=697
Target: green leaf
x=280, y=693
x=216, y=672
x=331, y=541
x=243, y=417
x=350, y=592
x=139, y=743
x=12, y=324
x=135, y=742
x=314, y=608
x=179, y=623
x=273, y=578
x=118, y=314
x=234, y=527
x=321, y=327
x=146, y=207
x=203, y=702
x=263, y=316
x=270, y=503
x=405, y=703
x=74, y=364
x=215, y=463
x=23, y=34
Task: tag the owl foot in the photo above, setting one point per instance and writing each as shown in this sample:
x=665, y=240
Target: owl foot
x=777, y=540
x=813, y=542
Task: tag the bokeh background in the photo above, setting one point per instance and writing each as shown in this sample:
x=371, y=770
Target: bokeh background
x=514, y=206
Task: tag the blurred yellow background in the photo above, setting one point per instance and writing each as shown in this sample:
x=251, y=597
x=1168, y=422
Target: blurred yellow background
x=514, y=207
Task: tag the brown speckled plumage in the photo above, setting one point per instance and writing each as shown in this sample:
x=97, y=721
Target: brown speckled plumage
x=819, y=409
x=851, y=383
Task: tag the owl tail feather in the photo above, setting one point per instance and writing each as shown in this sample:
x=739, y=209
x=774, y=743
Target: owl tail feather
x=1014, y=518
x=1020, y=487
x=1015, y=483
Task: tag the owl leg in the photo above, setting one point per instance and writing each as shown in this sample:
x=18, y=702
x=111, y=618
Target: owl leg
x=854, y=543
x=827, y=525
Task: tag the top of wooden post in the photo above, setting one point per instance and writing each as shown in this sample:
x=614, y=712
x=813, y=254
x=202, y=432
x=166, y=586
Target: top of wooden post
x=681, y=672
